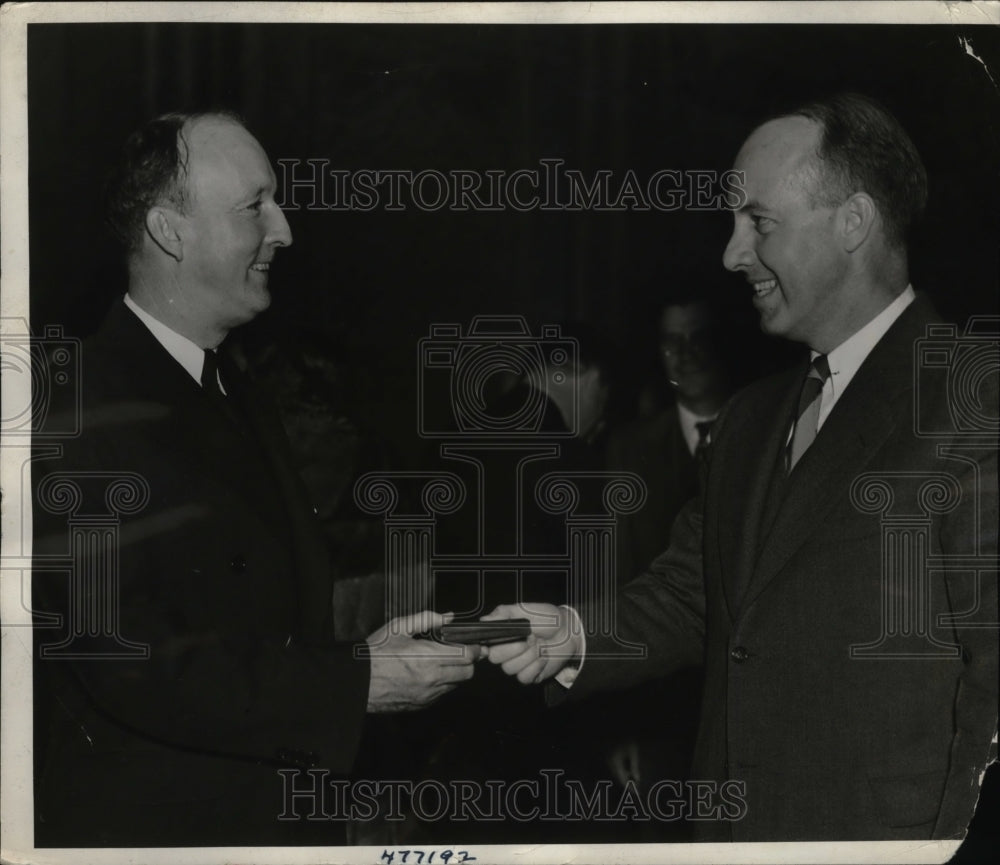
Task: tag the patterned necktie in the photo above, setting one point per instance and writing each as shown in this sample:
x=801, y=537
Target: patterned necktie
x=210, y=374
x=807, y=416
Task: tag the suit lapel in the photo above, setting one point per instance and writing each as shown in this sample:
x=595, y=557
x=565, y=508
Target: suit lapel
x=189, y=422
x=254, y=463
x=747, y=472
x=857, y=428
x=312, y=566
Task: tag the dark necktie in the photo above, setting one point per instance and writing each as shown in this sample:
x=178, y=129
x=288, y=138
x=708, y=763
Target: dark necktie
x=210, y=374
x=701, y=449
x=807, y=416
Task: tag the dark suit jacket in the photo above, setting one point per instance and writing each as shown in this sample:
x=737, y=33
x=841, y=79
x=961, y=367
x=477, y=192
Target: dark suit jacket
x=830, y=746
x=655, y=450
x=224, y=575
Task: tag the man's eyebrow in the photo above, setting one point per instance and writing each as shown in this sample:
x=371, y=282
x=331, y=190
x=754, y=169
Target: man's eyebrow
x=252, y=196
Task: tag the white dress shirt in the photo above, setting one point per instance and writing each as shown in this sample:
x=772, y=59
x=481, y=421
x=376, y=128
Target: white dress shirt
x=847, y=357
x=689, y=426
x=180, y=348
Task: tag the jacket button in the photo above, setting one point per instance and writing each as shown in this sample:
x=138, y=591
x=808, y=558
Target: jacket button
x=238, y=565
x=739, y=654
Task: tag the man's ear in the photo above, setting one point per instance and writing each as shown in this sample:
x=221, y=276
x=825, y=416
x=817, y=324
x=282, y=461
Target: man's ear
x=161, y=226
x=858, y=214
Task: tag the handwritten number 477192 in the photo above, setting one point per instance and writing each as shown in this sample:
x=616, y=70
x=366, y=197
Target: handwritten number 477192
x=422, y=857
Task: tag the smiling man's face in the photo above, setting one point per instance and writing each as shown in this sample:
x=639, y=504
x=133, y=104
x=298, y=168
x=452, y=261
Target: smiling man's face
x=786, y=245
x=231, y=226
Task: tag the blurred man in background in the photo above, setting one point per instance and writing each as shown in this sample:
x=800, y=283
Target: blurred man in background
x=665, y=450
x=653, y=737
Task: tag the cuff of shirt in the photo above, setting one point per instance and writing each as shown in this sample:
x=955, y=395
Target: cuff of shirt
x=567, y=675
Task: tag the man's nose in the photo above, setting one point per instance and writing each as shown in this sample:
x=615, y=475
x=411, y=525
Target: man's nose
x=278, y=233
x=739, y=254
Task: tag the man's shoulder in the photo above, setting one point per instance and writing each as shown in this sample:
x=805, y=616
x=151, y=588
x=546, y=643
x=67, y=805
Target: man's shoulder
x=657, y=425
x=643, y=432
x=124, y=381
x=765, y=391
x=123, y=359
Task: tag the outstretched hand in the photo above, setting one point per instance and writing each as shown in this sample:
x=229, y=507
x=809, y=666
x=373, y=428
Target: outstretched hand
x=407, y=673
x=555, y=642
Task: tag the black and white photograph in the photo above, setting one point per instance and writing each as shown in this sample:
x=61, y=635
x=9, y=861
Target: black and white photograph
x=544, y=433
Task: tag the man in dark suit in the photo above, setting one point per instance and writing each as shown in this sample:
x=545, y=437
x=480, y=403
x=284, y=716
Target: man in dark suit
x=653, y=735
x=837, y=577
x=664, y=449
x=195, y=675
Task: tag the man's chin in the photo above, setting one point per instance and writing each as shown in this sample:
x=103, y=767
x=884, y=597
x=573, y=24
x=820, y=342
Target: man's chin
x=692, y=386
x=258, y=299
x=771, y=322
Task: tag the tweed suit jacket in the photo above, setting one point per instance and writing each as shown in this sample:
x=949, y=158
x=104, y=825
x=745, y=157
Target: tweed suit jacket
x=794, y=595
x=223, y=575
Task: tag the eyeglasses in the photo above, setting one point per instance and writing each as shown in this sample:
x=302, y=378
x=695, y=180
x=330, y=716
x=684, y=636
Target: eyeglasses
x=700, y=343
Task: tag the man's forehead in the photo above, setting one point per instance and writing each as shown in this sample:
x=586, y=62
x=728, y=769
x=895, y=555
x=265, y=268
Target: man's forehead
x=212, y=129
x=774, y=155
x=783, y=141
x=222, y=150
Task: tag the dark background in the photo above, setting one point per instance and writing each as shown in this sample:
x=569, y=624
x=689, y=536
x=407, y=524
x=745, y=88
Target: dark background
x=495, y=97
x=499, y=97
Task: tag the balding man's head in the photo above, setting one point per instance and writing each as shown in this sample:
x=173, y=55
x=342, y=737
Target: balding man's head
x=820, y=232
x=194, y=202
x=152, y=169
x=863, y=148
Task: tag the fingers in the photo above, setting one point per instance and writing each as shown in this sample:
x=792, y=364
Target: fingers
x=503, y=611
x=503, y=652
x=530, y=657
x=623, y=761
x=418, y=623
x=537, y=671
x=436, y=653
x=539, y=614
x=532, y=660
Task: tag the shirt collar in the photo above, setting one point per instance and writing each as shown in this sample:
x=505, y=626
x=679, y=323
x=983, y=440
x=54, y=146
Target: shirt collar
x=847, y=357
x=688, y=421
x=180, y=348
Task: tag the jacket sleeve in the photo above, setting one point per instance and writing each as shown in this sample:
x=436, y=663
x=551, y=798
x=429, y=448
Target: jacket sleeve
x=662, y=611
x=222, y=674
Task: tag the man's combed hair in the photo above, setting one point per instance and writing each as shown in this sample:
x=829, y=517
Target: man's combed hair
x=864, y=148
x=152, y=169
